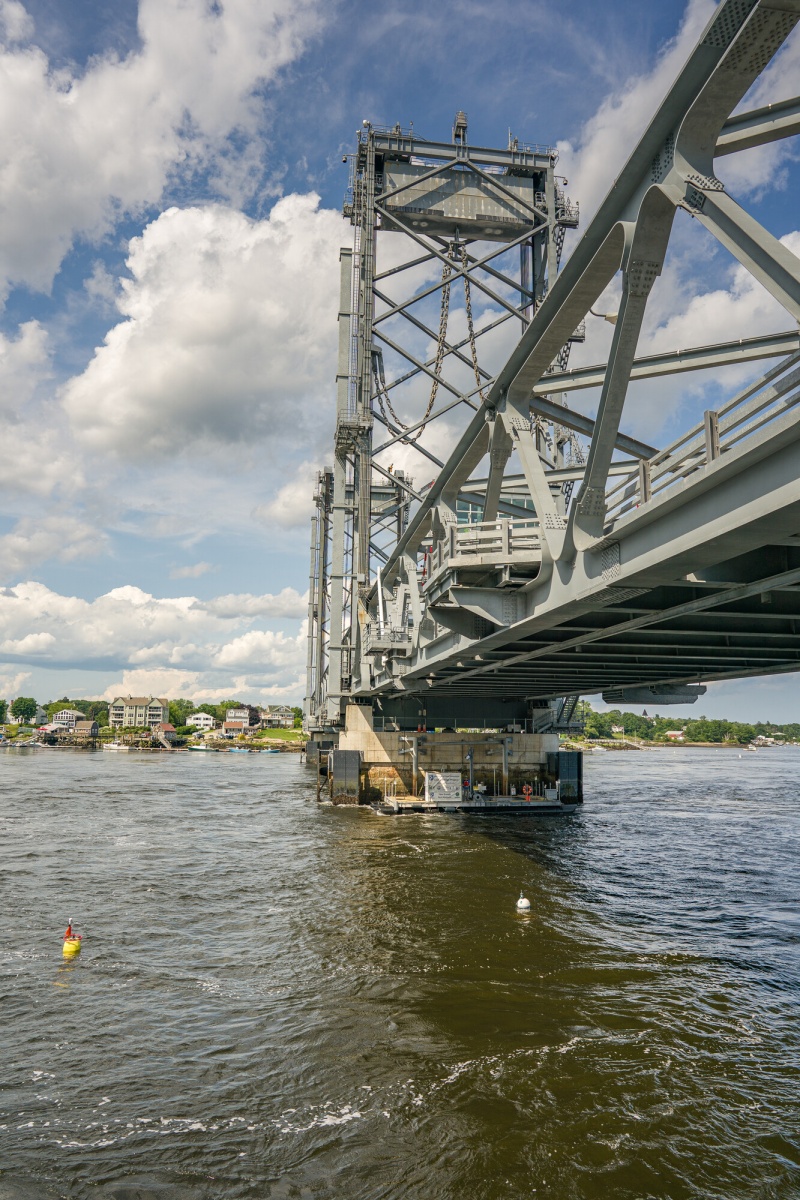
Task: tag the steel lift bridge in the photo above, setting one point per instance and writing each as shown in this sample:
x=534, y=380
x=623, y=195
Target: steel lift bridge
x=481, y=551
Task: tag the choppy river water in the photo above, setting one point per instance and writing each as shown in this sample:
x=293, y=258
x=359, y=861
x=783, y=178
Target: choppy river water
x=277, y=999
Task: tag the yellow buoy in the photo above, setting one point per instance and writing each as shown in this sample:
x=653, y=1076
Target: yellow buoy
x=72, y=946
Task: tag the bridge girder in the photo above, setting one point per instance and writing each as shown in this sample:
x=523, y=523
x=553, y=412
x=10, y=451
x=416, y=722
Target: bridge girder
x=678, y=567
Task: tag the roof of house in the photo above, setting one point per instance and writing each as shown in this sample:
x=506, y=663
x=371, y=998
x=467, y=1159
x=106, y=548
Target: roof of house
x=139, y=701
x=71, y=712
x=166, y=727
x=83, y=726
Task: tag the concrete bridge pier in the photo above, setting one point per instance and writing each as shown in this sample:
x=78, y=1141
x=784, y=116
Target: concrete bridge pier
x=494, y=763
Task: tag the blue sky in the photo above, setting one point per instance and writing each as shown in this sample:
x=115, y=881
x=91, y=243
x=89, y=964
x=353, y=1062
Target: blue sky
x=171, y=192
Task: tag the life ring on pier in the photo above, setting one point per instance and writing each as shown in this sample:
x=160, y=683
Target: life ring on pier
x=527, y=791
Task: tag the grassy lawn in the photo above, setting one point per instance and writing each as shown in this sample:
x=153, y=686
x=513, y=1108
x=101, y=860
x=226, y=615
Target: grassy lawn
x=281, y=735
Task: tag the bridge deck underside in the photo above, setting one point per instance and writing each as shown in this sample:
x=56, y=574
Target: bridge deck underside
x=597, y=651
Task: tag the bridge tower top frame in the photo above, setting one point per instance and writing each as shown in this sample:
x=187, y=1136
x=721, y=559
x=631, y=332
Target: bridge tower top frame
x=447, y=199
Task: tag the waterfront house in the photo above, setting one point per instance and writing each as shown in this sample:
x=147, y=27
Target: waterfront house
x=68, y=718
x=277, y=716
x=201, y=720
x=128, y=711
x=675, y=735
x=166, y=730
x=245, y=715
x=86, y=729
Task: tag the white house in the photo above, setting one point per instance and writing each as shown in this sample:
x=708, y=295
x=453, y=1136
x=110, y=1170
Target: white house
x=201, y=720
x=67, y=718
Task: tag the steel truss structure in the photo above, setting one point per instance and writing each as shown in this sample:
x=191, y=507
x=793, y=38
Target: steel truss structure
x=628, y=569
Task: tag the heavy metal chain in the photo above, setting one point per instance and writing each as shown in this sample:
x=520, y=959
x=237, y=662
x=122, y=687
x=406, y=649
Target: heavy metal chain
x=470, y=323
x=380, y=380
x=444, y=313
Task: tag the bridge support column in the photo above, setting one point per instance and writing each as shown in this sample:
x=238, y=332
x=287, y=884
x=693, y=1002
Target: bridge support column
x=393, y=762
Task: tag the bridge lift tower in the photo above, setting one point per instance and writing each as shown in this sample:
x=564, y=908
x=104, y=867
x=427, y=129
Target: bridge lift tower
x=479, y=228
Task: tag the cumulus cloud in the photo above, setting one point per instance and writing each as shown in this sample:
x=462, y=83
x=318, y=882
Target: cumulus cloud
x=742, y=309
x=82, y=147
x=15, y=23
x=24, y=363
x=164, y=639
x=259, y=648
x=227, y=336
x=287, y=603
x=293, y=503
x=11, y=682
x=200, y=688
x=34, y=540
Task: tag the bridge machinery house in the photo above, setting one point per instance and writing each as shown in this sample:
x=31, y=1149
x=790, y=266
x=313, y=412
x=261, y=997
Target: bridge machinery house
x=127, y=712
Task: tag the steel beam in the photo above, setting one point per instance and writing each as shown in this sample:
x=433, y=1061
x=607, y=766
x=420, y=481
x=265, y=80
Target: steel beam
x=698, y=358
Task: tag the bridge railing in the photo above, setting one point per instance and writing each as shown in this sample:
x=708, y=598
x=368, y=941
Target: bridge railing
x=389, y=638
x=719, y=433
x=487, y=543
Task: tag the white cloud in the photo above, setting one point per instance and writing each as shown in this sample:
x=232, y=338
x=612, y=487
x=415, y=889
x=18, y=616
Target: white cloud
x=176, y=643
x=24, y=362
x=227, y=337
x=192, y=572
x=80, y=148
x=15, y=23
x=260, y=648
x=287, y=603
x=32, y=643
x=293, y=504
x=34, y=540
x=743, y=309
x=193, y=685
x=11, y=682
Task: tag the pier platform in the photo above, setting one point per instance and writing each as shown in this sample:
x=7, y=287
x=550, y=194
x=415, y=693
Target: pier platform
x=479, y=806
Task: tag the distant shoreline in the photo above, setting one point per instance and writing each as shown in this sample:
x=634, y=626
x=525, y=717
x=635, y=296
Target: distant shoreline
x=643, y=745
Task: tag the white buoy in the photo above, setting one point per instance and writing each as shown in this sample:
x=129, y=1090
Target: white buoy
x=523, y=904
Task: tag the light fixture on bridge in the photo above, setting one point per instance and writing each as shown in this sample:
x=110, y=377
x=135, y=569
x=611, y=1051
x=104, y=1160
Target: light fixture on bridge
x=611, y=317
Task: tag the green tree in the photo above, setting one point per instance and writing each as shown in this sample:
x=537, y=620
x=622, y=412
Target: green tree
x=25, y=707
x=179, y=711
x=3, y=711
x=298, y=717
x=598, y=725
